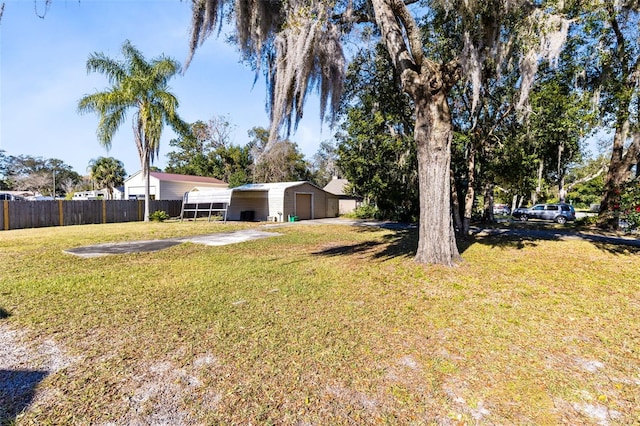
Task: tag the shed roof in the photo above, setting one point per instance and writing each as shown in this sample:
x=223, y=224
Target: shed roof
x=199, y=194
x=336, y=186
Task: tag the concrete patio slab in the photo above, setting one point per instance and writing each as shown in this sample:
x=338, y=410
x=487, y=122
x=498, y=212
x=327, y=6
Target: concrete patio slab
x=219, y=239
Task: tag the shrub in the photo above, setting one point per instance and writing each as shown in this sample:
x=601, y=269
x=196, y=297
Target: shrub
x=587, y=221
x=159, y=216
x=630, y=203
x=366, y=211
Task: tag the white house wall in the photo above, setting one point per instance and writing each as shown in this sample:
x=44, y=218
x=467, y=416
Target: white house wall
x=134, y=187
x=163, y=190
x=348, y=205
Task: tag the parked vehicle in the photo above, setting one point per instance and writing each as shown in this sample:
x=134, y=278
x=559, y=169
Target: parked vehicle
x=560, y=213
x=501, y=209
x=40, y=198
x=6, y=196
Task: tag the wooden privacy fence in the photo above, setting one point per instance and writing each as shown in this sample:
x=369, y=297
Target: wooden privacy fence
x=38, y=214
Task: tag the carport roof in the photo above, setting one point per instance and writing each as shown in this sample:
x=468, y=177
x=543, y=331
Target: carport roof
x=269, y=186
x=198, y=194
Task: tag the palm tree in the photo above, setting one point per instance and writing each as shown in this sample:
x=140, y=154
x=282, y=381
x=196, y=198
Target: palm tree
x=140, y=85
x=107, y=172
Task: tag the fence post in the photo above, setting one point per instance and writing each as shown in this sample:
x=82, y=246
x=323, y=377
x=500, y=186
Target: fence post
x=60, y=213
x=5, y=210
x=140, y=210
x=104, y=210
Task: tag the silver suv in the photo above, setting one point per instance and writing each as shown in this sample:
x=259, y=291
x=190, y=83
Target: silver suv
x=560, y=212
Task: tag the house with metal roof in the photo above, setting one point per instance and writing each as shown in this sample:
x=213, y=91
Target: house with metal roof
x=347, y=203
x=277, y=202
x=167, y=186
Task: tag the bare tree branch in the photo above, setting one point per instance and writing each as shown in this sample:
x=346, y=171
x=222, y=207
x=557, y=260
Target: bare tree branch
x=603, y=168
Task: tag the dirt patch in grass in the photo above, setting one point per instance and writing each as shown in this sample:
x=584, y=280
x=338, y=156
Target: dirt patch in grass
x=162, y=393
x=24, y=364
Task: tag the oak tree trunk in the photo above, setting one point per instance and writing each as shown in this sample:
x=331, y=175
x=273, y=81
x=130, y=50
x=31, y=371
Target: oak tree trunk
x=562, y=193
x=433, y=134
x=487, y=213
x=428, y=83
x=619, y=172
x=536, y=196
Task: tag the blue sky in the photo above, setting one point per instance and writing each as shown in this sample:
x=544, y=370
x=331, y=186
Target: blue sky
x=43, y=75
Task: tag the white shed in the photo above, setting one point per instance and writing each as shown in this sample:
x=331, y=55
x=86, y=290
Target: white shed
x=167, y=186
x=275, y=201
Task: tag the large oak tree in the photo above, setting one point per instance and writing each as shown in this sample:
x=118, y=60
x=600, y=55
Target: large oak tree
x=299, y=45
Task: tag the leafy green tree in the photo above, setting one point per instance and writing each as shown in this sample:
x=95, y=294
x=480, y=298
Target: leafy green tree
x=107, y=172
x=234, y=165
x=138, y=85
x=585, y=182
x=207, y=151
x=299, y=45
x=612, y=72
x=375, y=149
x=324, y=165
x=630, y=203
x=44, y=176
x=191, y=154
x=379, y=166
x=561, y=118
x=4, y=170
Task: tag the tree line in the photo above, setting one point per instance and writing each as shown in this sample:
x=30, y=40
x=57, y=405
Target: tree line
x=53, y=178
x=503, y=149
x=468, y=71
x=207, y=151
x=491, y=89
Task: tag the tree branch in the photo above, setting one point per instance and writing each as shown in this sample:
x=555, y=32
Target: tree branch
x=603, y=168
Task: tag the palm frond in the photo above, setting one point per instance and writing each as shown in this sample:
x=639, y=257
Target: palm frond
x=114, y=70
x=163, y=69
x=136, y=84
x=109, y=124
x=135, y=61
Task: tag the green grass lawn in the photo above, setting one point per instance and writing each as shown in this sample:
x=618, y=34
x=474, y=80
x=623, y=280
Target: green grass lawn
x=325, y=325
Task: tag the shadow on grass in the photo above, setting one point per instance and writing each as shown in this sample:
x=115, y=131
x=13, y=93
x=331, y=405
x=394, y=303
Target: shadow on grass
x=4, y=313
x=17, y=390
x=523, y=236
x=403, y=241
